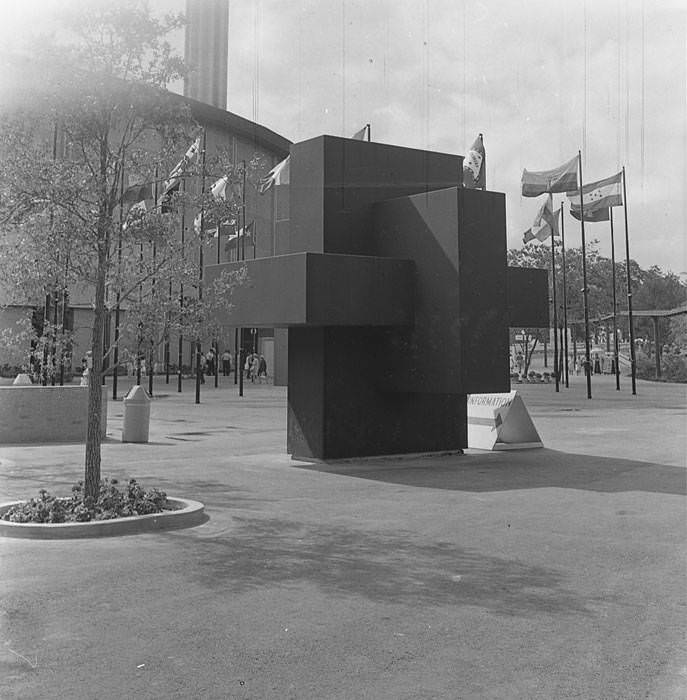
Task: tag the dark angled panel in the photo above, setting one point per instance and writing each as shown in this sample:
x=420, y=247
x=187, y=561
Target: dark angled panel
x=316, y=289
x=483, y=319
x=424, y=228
x=306, y=193
x=359, y=174
x=361, y=418
x=528, y=297
x=306, y=394
x=260, y=300
x=335, y=182
x=347, y=290
x=281, y=357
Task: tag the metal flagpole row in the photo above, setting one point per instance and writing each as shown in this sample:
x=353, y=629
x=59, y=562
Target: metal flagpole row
x=615, y=305
x=629, y=292
x=200, y=267
x=180, y=348
x=239, y=359
x=151, y=354
x=565, y=301
x=553, y=287
x=585, y=301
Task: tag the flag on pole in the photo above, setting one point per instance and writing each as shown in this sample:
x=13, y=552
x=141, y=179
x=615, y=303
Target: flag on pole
x=279, y=175
x=219, y=189
x=546, y=215
x=248, y=233
x=598, y=195
x=474, y=170
x=174, y=180
x=561, y=179
x=545, y=223
x=219, y=192
x=360, y=135
x=592, y=216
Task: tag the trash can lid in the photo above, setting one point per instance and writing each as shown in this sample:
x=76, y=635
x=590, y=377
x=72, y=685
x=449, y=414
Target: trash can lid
x=137, y=394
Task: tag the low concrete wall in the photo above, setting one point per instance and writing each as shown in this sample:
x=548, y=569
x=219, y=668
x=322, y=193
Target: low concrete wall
x=42, y=414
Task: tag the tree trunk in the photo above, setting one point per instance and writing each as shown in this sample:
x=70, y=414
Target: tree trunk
x=95, y=392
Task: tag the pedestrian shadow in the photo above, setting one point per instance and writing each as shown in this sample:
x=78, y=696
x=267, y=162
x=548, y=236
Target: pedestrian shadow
x=507, y=471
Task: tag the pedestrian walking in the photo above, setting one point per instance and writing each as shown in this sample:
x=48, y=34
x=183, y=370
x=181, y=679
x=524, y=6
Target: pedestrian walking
x=262, y=369
x=210, y=362
x=254, y=366
x=226, y=363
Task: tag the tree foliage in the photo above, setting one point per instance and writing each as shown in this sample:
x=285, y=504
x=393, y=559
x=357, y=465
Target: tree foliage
x=651, y=289
x=85, y=120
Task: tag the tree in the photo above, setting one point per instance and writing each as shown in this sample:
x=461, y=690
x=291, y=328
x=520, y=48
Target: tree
x=88, y=119
x=525, y=340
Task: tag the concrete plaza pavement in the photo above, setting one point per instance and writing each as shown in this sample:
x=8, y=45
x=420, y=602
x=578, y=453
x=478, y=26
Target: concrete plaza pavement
x=549, y=573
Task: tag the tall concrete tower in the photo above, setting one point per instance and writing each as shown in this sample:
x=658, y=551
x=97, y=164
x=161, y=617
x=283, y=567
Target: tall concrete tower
x=205, y=51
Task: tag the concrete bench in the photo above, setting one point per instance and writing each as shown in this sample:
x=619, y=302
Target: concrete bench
x=44, y=414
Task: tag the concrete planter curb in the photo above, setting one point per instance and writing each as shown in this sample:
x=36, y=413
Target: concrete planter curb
x=188, y=514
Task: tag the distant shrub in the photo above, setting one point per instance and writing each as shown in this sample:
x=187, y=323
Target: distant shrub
x=673, y=367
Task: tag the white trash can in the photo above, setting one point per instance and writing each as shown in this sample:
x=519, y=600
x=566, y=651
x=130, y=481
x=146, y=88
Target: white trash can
x=136, y=415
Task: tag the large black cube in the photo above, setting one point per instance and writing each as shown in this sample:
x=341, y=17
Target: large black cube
x=395, y=291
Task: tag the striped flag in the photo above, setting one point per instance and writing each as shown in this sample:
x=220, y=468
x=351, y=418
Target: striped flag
x=590, y=215
x=598, y=195
x=560, y=179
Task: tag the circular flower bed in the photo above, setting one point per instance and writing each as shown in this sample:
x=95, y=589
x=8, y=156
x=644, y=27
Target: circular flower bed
x=116, y=511
x=110, y=503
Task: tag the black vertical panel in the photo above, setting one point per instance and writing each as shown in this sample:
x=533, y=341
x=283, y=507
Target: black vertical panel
x=363, y=418
x=483, y=291
x=528, y=297
x=306, y=189
x=306, y=393
x=424, y=228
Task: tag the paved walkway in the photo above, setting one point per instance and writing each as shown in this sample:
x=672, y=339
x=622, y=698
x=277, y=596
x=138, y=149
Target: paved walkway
x=551, y=573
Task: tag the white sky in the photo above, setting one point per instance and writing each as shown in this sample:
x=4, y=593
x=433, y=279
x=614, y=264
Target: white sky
x=540, y=79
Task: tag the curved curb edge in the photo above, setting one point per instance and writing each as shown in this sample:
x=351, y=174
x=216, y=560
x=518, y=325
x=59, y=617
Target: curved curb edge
x=188, y=514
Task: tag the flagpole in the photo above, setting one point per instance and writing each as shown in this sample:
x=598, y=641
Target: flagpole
x=587, y=350
x=216, y=342
x=243, y=257
x=151, y=362
x=615, y=304
x=565, y=301
x=236, y=355
x=180, y=348
x=167, y=349
x=629, y=293
x=200, y=265
x=553, y=287
x=243, y=212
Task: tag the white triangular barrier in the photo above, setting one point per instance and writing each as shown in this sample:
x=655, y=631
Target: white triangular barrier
x=500, y=422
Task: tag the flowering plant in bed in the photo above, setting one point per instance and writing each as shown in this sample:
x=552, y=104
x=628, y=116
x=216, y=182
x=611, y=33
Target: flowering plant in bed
x=112, y=502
